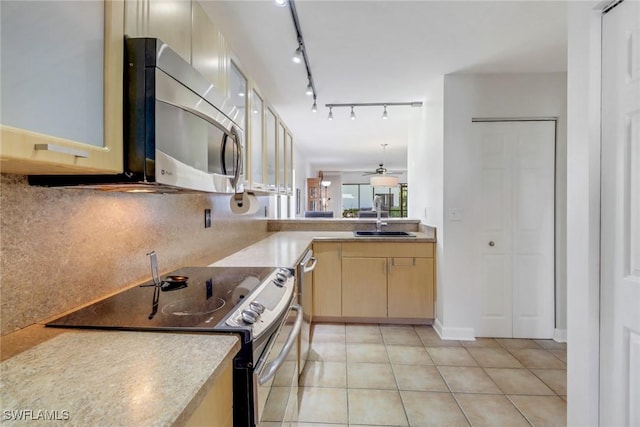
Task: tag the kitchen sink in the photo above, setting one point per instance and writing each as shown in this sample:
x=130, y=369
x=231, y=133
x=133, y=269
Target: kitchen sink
x=383, y=234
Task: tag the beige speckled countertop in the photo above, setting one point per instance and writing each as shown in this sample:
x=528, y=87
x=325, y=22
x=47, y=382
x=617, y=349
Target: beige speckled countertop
x=114, y=378
x=284, y=249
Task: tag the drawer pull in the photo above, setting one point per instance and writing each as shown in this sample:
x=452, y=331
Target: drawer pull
x=61, y=149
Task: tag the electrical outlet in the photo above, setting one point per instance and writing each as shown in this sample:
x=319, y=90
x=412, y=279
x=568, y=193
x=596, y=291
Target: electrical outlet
x=207, y=218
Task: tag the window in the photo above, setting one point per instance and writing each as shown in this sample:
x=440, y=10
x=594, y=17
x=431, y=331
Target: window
x=359, y=197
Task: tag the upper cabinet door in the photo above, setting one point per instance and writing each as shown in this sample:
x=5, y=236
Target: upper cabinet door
x=237, y=95
x=208, y=49
x=168, y=20
x=61, y=67
x=271, y=141
x=281, y=157
x=256, y=145
x=289, y=163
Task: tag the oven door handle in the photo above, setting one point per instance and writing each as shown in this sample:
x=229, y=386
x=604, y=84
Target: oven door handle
x=273, y=366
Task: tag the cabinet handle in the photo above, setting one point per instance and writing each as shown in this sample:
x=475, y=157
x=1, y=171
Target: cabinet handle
x=61, y=149
x=414, y=261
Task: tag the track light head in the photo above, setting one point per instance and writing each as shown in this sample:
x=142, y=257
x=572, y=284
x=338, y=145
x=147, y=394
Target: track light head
x=297, y=55
x=330, y=117
x=353, y=114
x=309, y=90
x=314, y=107
x=280, y=3
x=385, y=116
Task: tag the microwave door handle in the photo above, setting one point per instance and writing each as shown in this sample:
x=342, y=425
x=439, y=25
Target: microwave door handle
x=273, y=366
x=236, y=175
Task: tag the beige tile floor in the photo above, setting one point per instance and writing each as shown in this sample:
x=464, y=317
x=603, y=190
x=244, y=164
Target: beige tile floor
x=393, y=375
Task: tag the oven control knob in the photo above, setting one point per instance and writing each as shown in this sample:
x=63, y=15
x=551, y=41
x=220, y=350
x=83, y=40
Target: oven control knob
x=286, y=272
x=249, y=316
x=257, y=307
x=281, y=277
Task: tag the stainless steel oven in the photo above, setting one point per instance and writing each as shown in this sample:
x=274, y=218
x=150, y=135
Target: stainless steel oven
x=258, y=304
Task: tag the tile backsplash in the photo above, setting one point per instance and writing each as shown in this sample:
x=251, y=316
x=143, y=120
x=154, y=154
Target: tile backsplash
x=61, y=248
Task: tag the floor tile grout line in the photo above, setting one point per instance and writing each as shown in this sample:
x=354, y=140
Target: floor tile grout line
x=509, y=350
x=518, y=409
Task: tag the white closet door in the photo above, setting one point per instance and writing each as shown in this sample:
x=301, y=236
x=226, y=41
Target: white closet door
x=516, y=228
x=620, y=240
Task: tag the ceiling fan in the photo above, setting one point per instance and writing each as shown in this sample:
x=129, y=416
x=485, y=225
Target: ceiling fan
x=381, y=170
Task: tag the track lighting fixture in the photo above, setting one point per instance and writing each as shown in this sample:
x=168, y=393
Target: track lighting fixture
x=330, y=117
x=297, y=55
x=385, y=114
x=300, y=54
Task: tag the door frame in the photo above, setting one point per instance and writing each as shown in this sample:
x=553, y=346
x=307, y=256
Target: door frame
x=555, y=205
x=583, y=208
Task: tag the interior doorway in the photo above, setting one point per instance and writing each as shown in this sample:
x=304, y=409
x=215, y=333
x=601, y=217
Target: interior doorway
x=515, y=231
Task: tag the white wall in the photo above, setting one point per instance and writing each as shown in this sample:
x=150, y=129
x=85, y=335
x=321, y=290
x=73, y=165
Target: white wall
x=425, y=176
x=583, y=211
x=498, y=96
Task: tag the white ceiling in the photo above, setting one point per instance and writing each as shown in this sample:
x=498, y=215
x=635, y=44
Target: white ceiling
x=381, y=51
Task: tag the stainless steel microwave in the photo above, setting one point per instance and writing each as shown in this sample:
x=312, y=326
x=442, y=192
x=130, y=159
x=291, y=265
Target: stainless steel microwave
x=180, y=132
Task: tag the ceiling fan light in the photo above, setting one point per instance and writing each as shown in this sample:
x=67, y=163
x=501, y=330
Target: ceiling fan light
x=384, y=181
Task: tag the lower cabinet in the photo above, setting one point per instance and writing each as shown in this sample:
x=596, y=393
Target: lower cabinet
x=216, y=409
x=364, y=287
x=374, y=280
x=327, y=297
x=410, y=288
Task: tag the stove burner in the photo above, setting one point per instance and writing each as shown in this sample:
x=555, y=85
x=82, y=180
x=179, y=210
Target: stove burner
x=192, y=307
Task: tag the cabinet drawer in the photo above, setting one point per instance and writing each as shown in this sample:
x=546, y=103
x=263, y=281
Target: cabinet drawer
x=387, y=249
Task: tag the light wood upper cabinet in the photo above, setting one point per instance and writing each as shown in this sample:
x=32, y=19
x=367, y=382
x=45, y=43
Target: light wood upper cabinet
x=410, y=287
x=168, y=20
x=61, y=87
x=364, y=290
x=209, y=54
x=327, y=280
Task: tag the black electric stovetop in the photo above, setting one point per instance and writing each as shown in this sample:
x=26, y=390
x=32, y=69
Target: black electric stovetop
x=209, y=295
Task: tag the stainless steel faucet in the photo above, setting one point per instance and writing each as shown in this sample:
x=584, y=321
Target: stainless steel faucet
x=377, y=203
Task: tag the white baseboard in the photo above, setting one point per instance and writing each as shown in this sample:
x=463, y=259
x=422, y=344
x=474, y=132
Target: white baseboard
x=560, y=335
x=461, y=334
